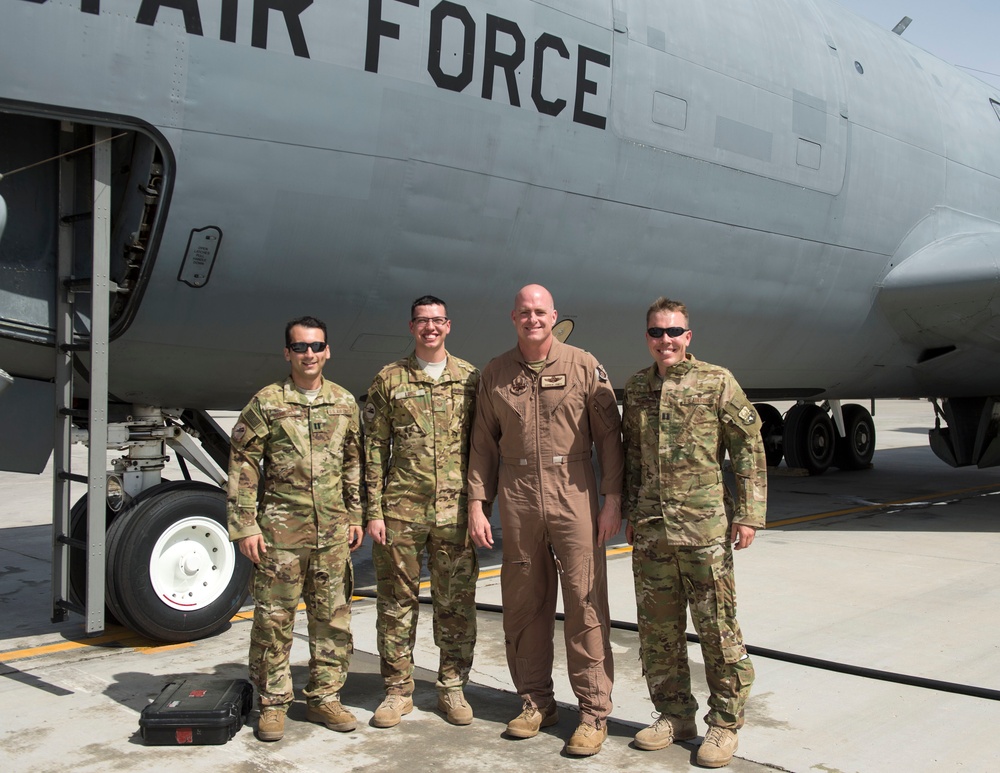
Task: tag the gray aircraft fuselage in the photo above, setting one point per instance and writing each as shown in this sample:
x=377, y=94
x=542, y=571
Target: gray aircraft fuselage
x=823, y=195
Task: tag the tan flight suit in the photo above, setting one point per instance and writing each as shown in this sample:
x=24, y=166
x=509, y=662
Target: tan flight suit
x=531, y=445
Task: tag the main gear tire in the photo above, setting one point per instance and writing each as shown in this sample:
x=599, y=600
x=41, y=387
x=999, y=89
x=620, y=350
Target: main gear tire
x=172, y=573
x=810, y=438
x=855, y=450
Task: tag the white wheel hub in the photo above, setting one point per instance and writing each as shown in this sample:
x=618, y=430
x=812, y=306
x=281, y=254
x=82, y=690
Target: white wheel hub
x=192, y=563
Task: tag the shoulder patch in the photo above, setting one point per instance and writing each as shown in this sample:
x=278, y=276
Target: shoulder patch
x=747, y=415
x=369, y=412
x=602, y=374
x=239, y=431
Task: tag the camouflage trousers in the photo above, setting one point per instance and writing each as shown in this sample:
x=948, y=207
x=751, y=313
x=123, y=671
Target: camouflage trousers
x=324, y=580
x=669, y=578
x=454, y=569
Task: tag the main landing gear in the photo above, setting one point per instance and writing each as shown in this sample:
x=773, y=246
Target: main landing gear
x=808, y=436
x=170, y=571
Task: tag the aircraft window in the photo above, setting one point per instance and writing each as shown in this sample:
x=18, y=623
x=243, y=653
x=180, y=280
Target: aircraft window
x=996, y=107
x=859, y=68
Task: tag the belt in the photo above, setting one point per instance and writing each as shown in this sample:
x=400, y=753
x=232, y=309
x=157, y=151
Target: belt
x=555, y=459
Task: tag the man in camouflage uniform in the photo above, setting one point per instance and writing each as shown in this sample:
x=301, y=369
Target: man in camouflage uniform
x=304, y=434
x=417, y=423
x=542, y=407
x=680, y=418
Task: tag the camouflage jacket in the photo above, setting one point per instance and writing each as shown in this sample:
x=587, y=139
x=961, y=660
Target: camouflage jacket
x=312, y=457
x=677, y=430
x=417, y=442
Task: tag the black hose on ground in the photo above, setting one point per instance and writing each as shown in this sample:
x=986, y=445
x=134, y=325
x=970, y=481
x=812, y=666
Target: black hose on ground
x=972, y=691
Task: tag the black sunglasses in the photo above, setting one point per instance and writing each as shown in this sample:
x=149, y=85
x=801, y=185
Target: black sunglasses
x=673, y=332
x=301, y=346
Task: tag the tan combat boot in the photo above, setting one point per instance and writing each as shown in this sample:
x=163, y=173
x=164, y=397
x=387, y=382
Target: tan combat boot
x=392, y=709
x=586, y=740
x=455, y=708
x=531, y=720
x=664, y=731
x=717, y=750
x=333, y=715
x=271, y=723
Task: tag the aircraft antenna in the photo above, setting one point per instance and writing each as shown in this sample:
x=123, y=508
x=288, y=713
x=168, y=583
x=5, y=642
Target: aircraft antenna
x=900, y=28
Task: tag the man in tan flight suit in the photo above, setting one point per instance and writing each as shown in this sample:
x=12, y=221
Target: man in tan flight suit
x=417, y=424
x=541, y=407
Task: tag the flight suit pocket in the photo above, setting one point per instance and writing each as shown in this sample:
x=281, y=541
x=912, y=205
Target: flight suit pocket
x=606, y=406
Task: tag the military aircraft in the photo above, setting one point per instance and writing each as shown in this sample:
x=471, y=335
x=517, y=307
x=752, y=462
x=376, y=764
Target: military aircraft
x=181, y=177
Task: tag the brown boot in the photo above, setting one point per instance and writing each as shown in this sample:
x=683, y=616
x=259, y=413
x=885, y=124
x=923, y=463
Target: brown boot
x=271, y=723
x=531, y=720
x=454, y=707
x=333, y=715
x=586, y=740
x=391, y=710
x=717, y=750
x=664, y=731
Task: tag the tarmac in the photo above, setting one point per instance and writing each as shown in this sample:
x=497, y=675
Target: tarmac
x=870, y=605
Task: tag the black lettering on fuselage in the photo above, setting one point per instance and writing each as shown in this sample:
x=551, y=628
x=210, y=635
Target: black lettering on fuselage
x=506, y=62
x=192, y=16
x=497, y=54
x=291, y=10
x=546, y=41
x=378, y=28
x=447, y=10
x=585, y=86
x=87, y=6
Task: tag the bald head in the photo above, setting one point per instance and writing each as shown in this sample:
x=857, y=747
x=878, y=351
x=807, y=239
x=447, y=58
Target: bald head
x=533, y=296
x=533, y=316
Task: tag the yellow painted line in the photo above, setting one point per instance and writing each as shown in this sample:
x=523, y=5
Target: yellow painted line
x=872, y=508
x=152, y=649
x=112, y=635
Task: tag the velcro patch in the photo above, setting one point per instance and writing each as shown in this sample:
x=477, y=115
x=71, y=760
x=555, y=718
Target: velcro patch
x=553, y=382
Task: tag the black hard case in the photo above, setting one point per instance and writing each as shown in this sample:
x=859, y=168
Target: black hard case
x=198, y=710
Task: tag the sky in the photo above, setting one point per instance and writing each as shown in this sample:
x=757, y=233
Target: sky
x=961, y=32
